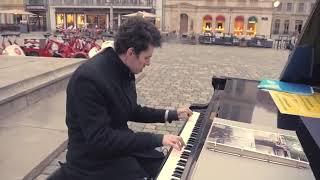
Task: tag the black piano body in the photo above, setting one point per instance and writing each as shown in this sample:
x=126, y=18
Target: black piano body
x=240, y=100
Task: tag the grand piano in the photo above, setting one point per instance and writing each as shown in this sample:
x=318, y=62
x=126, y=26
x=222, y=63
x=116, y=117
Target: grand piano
x=239, y=102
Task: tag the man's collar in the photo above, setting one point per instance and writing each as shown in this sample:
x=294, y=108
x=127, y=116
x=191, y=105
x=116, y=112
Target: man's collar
x=123, y=68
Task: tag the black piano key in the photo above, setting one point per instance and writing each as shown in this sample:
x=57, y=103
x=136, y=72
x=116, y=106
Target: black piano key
x=188, y=147
x=180, y=169
x=186, y=153
x=177, y=171
x=176, y=175
x=184, y=157
x=181, y=164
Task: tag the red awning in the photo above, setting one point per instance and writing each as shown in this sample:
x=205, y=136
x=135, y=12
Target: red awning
x=207, y=18
x=220, y=18
x=239, y=18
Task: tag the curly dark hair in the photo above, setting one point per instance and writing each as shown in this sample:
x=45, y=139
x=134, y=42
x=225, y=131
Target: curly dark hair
x=136, y=33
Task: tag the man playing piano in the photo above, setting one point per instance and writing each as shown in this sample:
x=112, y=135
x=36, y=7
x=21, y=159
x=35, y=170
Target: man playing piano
x=101, y=99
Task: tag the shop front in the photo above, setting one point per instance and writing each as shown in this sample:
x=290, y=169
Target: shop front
x=38, y=21
x=207, y=23
x=96, y=21
x=238, y=26
x=252, y=26
x=220, y=24
x=70, y=20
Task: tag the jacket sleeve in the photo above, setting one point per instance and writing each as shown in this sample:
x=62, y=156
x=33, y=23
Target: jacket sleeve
x=95, y=124
x=152, y=115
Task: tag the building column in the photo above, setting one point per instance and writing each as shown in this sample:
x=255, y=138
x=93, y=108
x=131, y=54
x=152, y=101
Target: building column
x=52, y=19
x=85, y=21
x=65, y=21
x=1, y=18
x=119, y=20
x=111, y=17
x=107, y=21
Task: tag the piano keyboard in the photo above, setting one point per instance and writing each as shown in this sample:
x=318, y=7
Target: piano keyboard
x=177, y=160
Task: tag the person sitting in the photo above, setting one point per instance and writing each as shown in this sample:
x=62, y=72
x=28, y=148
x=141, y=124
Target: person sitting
x=102, y=98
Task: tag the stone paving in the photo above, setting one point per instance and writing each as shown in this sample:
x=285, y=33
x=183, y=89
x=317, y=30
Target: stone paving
x=181, y=74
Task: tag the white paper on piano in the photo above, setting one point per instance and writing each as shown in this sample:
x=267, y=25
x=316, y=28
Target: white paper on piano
x=174, y=156
x=260, y=145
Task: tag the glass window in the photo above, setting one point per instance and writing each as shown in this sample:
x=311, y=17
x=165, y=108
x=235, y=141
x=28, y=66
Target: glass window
x=298, y=26
x=70, y=20
x=289, y=7
x=276, y=26
x=286, y=27
x=80, y=20
x=60, y=20
x=301, y=7
x=17, y=18
x=96, y=21
x=36, y=2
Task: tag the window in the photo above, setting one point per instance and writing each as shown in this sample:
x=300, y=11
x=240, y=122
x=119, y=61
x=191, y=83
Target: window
x=279, y=8
x=298, y=26
x=36, y=2
x=289, y=7
x=276, y=26
x=301, y=7
x=70, y=20
x=286, y=27
x=60, y=20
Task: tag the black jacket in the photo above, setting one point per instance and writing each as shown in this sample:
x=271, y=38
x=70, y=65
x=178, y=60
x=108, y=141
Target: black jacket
x=101, y=99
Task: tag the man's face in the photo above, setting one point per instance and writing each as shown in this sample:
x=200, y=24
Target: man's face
x=135, y=62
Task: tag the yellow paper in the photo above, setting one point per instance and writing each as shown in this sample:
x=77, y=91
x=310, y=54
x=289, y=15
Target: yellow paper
x=295, y=104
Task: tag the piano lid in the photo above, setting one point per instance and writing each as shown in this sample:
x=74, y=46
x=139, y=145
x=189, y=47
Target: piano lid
x=303, y=64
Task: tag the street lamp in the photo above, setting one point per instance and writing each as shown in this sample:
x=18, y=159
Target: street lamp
x=276, y=3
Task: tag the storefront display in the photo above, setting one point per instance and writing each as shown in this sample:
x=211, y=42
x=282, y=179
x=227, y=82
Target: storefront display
x=80, y=20
x=252, y=26
x=220, y=21
x=207, y=24
x=60, y=20
x=96, y=21
x=238, y=25
x=70, y=20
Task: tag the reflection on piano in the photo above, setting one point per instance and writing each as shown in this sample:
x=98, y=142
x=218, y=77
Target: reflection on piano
x=239, y=101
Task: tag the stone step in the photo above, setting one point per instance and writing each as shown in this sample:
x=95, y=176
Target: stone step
x=26, y=80
x=32, y=113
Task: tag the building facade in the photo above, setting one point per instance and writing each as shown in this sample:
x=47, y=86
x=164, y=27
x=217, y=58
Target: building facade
x=6, y=18
x=290, y=16
x=105, y=14
x=239, y=17
x=39, y=21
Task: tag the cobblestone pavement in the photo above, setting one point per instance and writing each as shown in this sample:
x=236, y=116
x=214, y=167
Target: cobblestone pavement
x=181, y=74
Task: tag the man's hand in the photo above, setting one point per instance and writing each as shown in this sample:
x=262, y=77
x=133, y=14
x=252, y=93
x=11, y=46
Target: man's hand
x=184, y=113
x=173, y=141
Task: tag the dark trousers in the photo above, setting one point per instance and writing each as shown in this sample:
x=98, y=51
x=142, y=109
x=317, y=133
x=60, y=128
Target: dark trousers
x=150, y=167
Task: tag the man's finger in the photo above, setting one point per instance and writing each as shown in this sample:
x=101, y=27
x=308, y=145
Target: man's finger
x=189, y=112
x=176, y=146
x=181, y=141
